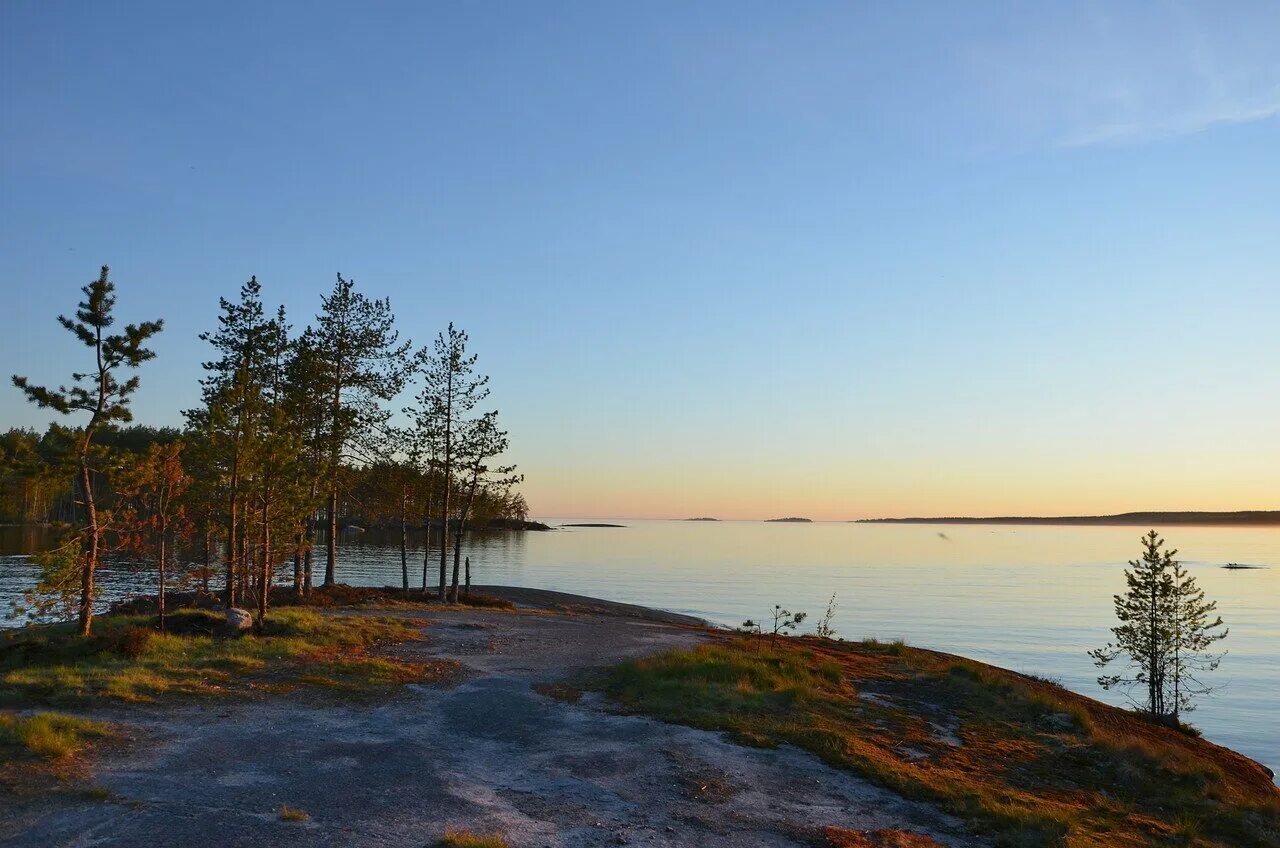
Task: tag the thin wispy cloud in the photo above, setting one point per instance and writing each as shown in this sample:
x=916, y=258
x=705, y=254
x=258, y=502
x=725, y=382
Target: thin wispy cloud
x=1152, y=129
x=1119, y=76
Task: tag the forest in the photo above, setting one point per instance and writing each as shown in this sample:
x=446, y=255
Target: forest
x=294, y=440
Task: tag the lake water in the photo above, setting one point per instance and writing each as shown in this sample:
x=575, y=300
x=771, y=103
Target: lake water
x=1029, y=598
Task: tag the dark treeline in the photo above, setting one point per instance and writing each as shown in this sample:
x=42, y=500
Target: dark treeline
x=292, y=441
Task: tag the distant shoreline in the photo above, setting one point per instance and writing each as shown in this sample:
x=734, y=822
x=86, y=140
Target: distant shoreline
x=1244, y=518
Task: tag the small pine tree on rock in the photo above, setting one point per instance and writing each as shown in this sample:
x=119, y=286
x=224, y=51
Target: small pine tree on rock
x=1164, y=636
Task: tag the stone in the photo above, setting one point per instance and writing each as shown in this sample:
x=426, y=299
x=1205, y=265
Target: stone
x=238, y=621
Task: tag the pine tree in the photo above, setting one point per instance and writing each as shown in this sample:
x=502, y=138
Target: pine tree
x=1192, y=638
x=279, y=485
x=152, y=486
x=451, y=391
x=481, y=441
x=1163, y=635
x=309, y=409
x=105, y=399
x=364, y=364
x=233, y=405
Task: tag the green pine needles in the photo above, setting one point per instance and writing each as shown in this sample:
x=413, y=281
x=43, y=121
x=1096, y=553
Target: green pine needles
x=1165, y=637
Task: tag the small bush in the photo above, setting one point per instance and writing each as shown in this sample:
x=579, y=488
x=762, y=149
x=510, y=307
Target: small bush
x=487, y=601
x=130, y=641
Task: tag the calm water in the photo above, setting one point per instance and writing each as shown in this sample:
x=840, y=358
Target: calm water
x=1032, y=599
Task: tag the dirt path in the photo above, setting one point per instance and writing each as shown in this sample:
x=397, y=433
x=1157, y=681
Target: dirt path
x=488, y=754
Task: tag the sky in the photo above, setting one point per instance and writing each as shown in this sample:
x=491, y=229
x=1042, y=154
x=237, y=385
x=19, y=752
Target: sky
x=734, y=259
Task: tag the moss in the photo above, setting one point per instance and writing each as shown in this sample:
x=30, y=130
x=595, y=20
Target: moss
x=52, y=665
x=1035, y=765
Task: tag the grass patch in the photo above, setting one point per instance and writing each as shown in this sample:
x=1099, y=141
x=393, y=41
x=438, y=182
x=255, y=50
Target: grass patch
x=297, y=647
x=467, y=839
x=46, y=736
x=1021, y=759
x=293, y=814
x=40, y=752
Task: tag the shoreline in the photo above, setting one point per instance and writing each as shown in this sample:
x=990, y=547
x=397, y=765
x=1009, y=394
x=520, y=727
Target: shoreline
x=532, y=732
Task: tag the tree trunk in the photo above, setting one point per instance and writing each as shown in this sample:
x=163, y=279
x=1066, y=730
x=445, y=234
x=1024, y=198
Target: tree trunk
x=457, y=560
x=444, y=540
x=160, y=596
x=233, y=519
x=426, y=541
x=331, y=545
x=264, y=572
x=208, y=561
x=297, y=563
x=242, y=564
x=90, y=552
x=308, y=551
x=468, y=566
x=404, y=536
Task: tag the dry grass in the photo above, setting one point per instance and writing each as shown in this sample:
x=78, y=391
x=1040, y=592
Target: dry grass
x=1023, y=760
x=293, y=814
x=42, y=750
x=298, y=648
x=47, y=736
x=837, y=837
x=467, y=839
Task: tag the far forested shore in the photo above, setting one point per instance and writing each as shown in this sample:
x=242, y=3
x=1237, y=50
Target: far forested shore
x=1254, y=517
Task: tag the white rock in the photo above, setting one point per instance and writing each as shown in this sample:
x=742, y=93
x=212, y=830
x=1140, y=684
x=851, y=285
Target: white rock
x=237, y=620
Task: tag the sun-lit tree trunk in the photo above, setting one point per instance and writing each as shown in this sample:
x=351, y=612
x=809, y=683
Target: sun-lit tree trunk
x=92, y=536
x=264, y=560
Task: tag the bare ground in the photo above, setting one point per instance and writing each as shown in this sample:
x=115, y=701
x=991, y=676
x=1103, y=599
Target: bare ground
x=489, y=754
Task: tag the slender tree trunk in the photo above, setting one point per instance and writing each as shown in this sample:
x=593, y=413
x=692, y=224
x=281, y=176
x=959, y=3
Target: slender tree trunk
x=447, y=477
x=242, y=565
x=464, y=512
x=308, y=555
x=444, y=540
x=331, y=549
x=467, y=590
x=90, y=564
x=298, y=544
x=264, y=566
x=160, y=596
x=426, y=541
x=232, y=521
x=208, y=561
x=404, y=535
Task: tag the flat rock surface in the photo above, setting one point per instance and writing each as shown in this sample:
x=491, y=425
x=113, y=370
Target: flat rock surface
x=488, y=754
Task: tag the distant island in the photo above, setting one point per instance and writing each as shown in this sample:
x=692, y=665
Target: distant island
x=702, y=519
x=1255, y=518
x=792, y=520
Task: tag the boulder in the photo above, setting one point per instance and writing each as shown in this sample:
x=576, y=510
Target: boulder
x=238, y=621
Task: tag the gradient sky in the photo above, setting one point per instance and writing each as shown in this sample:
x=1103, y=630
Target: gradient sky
x=732, y=259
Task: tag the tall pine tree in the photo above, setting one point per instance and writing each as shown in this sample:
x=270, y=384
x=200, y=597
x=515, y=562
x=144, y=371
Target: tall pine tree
x=364, y=363
x=450, y=393
x=103, y=397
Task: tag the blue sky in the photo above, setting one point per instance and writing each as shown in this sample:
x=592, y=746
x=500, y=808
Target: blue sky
x=739, y=259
